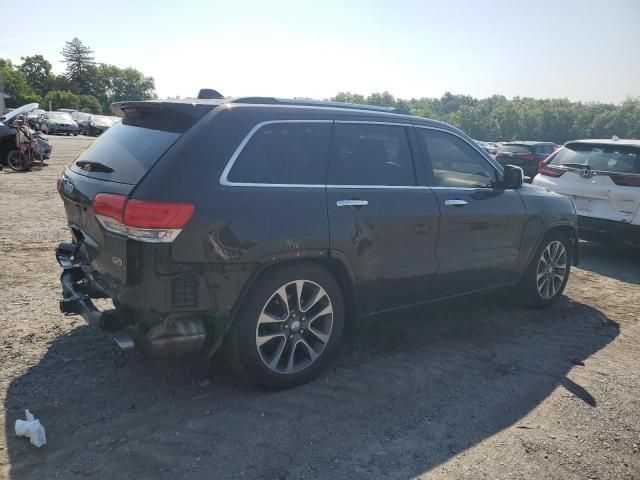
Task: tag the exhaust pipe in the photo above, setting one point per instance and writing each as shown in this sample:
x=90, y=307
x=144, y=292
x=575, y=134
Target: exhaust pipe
x=125, y=342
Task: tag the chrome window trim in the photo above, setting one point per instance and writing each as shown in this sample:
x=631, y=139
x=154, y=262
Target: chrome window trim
x=227, y=183
x=375, y=122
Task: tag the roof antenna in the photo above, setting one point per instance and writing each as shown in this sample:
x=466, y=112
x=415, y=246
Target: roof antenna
x=615, y=138
x=208, y=94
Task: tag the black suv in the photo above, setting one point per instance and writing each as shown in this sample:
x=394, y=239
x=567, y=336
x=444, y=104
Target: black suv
x=525, y=154
x=265, y=225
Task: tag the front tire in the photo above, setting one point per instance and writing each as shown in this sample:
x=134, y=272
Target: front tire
x=548, y=272
x=289, y=329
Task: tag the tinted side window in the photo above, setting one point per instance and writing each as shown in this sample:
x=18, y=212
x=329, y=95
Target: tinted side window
x=285, y=153
x=369, y=154
x=455, y=163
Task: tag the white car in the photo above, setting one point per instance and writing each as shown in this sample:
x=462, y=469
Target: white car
x=602, y=177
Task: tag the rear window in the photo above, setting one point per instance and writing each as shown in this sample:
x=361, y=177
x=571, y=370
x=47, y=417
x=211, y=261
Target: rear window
x=130, y=151
x=604, y=158
x=285, y=153
x=516, y=148
x=127, y=150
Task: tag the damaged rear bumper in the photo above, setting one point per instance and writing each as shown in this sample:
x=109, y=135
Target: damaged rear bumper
x=172, y=335
x=75, y=299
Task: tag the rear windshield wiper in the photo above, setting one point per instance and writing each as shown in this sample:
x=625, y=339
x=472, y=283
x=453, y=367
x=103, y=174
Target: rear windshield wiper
x=572, y=165
x=93, y=166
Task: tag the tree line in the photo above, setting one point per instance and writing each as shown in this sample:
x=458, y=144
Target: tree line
x=499, y=119
x=86, y=85
x=90, y=86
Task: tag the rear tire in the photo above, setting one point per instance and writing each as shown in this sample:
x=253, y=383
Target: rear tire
x=278, y=346
x=548, y=273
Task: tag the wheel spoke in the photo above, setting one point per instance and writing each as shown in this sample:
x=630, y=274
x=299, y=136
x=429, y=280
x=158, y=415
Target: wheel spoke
x=292, y=354
x=323, y=337
x=543, y=260
x=325, y=311
x=277, y=355
x=284, y=300
x=317, y=296
x=312, y=353
x=260, y=341
x=299, y=285
x=267, y=318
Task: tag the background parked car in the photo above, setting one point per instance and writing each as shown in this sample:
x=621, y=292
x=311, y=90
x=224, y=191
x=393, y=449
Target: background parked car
x=81, y=119
x=525, y=154
x=97, y=124
x=602, y=178
x=58, y=122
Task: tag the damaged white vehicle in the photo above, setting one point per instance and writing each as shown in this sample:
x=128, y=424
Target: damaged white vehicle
x=602, y=178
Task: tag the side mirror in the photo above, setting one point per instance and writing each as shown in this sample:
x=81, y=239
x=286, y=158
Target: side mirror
x=513, y=177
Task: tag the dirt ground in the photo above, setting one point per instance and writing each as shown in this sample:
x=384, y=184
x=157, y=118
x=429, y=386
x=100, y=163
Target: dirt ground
x=471, y=389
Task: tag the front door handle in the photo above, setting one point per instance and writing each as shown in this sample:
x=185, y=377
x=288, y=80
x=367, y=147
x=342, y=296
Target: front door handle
x=352, y=203
x=455, y=203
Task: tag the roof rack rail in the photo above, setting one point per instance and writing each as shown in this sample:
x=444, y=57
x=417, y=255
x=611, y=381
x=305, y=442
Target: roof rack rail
x=318, y=103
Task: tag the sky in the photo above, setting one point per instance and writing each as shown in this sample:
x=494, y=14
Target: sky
x=585, y=50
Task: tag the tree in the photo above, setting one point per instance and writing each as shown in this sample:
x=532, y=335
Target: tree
x=16, y=85
x=37, y=71
x=89, y=103
x=118, y=84
x=81, y=68
x=61, y=99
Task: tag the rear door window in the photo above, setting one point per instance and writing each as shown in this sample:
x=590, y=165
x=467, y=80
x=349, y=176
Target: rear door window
x=454, y=162
x=604, y=158
x=284, y=153
x=370, y=154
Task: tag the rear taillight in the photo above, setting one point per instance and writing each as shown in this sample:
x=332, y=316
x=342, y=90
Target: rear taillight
x=549, y=170
x=626, y=180
x=141, y=219
x=142, y=214
x=499, y=154
x=528, y=158
x=110, y=205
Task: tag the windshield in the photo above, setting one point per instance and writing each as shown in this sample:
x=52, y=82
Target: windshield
x=605, y=158
x=102, y=120
x=516, y=148
x=81, y=117
x=61, y=116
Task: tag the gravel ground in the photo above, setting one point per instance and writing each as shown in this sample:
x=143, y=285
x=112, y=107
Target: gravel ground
x=479, y=388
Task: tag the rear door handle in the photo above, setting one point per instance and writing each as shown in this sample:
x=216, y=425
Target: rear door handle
x=455, y=203
x=352, y=203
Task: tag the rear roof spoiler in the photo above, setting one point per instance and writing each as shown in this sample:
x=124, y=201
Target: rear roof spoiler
x=192, y=109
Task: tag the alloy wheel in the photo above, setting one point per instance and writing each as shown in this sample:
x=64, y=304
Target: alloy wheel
x=294, y=326
x=552, y=269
